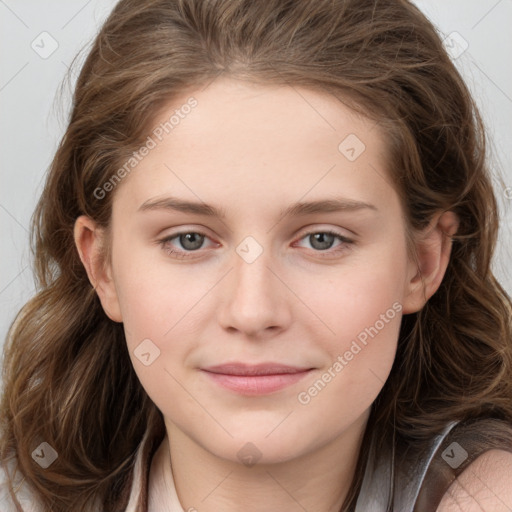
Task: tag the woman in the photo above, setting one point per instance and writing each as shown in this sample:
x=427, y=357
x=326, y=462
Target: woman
x=264, y=252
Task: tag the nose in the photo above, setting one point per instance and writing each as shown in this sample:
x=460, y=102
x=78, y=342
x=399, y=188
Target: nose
x=255, y=301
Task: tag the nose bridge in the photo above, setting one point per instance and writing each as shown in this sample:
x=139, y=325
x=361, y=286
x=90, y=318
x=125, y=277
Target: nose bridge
x=253, y=279
x=255, y=299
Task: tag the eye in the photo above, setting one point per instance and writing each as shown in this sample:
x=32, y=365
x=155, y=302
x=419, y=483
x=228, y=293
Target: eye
x=322, y=241
x=180, y=244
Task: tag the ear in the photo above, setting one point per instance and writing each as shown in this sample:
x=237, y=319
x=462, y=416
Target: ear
x=432, y=249
x=90, y=241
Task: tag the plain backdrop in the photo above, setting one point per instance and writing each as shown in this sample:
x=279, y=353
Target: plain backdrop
x=38, y=41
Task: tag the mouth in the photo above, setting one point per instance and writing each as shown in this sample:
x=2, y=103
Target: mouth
x=260, y=379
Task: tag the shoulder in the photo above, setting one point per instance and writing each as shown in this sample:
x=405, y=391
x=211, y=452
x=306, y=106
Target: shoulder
x=486, y=484
x=24, y=496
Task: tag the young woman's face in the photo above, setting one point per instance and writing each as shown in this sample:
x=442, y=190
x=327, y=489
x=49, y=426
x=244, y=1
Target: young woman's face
x=263, y=229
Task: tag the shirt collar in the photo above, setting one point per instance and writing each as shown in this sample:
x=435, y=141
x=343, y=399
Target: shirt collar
x=153, y=486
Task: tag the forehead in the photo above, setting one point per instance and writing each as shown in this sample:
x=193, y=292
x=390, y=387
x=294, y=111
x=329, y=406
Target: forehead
x=242, y=139
x=263, y=117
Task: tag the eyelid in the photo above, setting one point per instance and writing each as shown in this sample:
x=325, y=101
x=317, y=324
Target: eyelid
x=315, y=228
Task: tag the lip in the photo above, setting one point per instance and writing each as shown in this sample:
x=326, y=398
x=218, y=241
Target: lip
x=259, y=379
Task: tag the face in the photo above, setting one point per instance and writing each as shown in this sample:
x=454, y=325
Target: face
x=291, y=261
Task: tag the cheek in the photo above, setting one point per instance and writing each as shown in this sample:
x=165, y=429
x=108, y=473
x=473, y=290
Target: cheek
x=144, y=310
x=153, y=294
x=154, y=309
x=365, y=317
x=356, y=298
x=361, y=309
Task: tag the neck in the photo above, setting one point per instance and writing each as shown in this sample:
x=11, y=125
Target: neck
x=317, y=480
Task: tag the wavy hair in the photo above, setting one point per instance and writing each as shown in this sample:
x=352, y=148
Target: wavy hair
x=68, y=379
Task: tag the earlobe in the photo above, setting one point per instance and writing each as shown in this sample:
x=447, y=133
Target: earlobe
x=90, y=241
x=433, y=250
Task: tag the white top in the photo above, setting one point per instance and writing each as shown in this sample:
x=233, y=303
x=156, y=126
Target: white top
x=162, y=496
x=25, y=497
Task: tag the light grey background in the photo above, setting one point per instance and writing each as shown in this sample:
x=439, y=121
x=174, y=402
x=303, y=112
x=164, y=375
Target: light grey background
x=32, y=119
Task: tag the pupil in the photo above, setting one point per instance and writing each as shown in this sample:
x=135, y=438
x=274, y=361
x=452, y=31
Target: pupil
x=322, y=241
x=191, y=241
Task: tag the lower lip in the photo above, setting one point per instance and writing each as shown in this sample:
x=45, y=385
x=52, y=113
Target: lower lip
x=256, y=384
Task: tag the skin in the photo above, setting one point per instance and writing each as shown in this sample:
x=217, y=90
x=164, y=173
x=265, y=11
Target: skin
x=483, y=486
x=253, y=151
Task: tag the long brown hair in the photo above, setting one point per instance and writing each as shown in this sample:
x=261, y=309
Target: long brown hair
x=67, y=373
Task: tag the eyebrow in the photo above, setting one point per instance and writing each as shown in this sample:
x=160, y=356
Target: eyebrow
x=296, y=209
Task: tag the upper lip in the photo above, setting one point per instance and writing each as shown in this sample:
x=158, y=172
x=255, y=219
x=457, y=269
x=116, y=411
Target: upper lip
x=254, y=369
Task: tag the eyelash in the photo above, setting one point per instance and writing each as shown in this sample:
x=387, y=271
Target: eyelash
x=182, y=254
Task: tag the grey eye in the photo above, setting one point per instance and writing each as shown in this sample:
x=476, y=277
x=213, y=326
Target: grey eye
x=321, y=241
x=191, y=241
